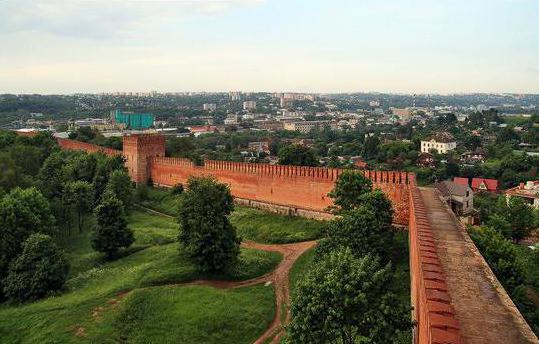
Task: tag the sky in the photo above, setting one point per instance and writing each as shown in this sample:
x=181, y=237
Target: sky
x=403, y=46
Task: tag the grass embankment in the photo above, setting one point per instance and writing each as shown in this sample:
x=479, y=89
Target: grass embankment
x=251, y=224
x=91, y=311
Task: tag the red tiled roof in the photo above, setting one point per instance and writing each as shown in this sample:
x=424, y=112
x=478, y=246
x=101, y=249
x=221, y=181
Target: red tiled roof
x=489, y=184
x=461, y=181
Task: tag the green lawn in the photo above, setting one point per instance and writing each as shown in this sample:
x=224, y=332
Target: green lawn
x=175, y=315
x=265, y=227
x=252, y=224
x=161, y=200
x=94, y=284
x=301, y=266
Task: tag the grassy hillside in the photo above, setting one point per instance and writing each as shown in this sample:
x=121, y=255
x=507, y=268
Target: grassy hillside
x=252, y=224
x=100, y=294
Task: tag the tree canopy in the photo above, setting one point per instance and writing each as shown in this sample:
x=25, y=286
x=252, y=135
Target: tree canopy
x=206, y=234
x=348, y=189
x=345, y=299
x=297, y=155
x=40, y=269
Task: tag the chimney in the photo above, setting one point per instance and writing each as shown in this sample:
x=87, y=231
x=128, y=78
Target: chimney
x=521, y=186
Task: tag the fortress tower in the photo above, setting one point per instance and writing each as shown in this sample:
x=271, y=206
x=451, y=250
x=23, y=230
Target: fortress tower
x=139, y=149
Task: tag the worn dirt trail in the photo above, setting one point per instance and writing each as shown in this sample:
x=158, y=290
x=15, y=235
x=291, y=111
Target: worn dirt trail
x=278, y=278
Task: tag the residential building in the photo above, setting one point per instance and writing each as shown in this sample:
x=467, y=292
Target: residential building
x=478, y=184
x=249, y=105
x=209, y=107
x=306, y=126
x=528, y=191
x=259, y=147
x=203, y=129
x=442, y=143
x=426, y=160
x=458, y=197
x=472, y=158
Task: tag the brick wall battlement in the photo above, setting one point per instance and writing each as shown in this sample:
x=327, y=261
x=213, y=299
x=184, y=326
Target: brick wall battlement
x=433, y=312
x=87, y=147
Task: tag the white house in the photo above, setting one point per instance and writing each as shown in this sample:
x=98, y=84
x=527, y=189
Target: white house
x=441, y=142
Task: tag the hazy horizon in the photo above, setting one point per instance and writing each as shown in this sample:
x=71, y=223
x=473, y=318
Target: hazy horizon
x=396, y=46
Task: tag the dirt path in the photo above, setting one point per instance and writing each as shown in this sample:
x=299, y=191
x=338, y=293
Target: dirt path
x=278, y=278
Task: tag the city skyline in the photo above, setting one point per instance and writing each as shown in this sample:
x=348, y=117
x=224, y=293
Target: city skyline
x=254, y=45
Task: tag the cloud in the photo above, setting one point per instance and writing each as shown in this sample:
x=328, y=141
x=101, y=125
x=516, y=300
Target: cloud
x=100, y=19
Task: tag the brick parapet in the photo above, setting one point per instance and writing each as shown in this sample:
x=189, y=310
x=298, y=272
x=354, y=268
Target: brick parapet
x=433, y=312
x=87, y=147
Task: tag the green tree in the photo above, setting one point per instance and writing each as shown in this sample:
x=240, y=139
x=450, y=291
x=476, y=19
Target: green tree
x=22, y=213
x=500, y=224
x=205, y=231
x=79, y=196
x=521, y=216
x=501, y=255
x=297, y=155
x=362, y=231
x=111, y=232
x=348, y=189
x=345, y=299
x=11, y=175
x=121, y=185
x=40, y=269
x=52, y=175
x=370, y=147
x=378, y=203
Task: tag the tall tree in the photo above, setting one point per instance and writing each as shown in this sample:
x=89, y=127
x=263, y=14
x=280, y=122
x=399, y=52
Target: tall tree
x=345, y=299
x=22, y=213
x=348, y=189
x=297, y=155
x=361, y=230
x=521, y=216
x=205, y=231
x=121, y=185
x=79, y=196
x=111, y=232
x=370, y=147
x=40, y=269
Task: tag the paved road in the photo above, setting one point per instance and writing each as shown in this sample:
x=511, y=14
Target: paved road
x=483, y=309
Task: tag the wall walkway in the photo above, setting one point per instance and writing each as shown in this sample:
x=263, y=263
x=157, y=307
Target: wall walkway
x=483, y=311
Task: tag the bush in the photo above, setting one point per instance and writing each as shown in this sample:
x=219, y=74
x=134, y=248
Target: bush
x=40, y=270
x=177, y=189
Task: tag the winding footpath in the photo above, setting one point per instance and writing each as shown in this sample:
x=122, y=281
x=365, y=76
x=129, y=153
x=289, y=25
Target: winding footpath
x=278, y=278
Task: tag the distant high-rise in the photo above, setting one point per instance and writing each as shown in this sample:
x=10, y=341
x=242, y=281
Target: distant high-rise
x=234, y=96
x=249, y=105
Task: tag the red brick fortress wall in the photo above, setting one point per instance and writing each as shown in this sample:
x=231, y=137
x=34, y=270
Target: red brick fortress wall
x=87, y=147
x=430, y=298
x=292, y=186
